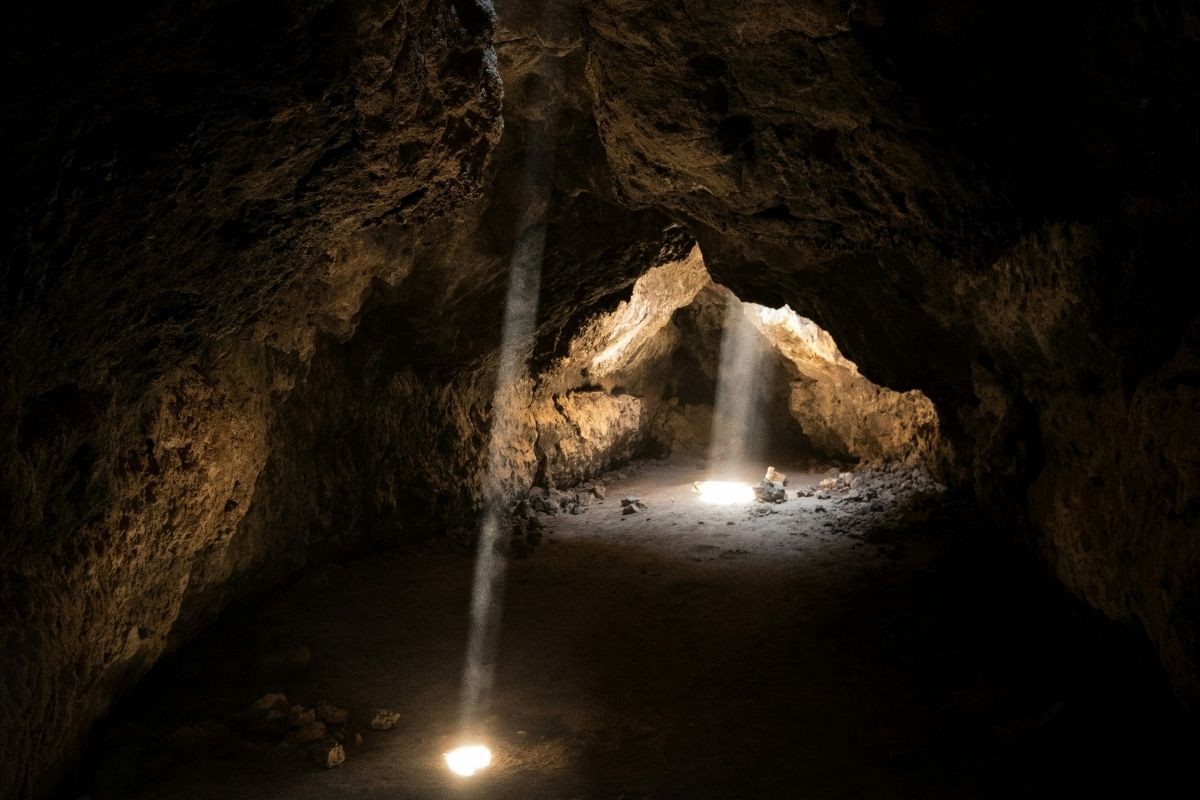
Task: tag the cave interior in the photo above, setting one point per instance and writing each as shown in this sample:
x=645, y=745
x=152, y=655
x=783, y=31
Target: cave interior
x=665, y=400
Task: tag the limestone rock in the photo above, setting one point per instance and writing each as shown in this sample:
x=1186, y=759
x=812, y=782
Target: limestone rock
x=327, y=754
x=632, y=505
x=770, y=492
x=384, y=720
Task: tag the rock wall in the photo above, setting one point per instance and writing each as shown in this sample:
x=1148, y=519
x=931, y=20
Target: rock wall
x=254, y=256
x=177, y=186
x=989, y=202
x=842, y=413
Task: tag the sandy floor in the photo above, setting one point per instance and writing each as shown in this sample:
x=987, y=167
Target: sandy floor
x=863, y=650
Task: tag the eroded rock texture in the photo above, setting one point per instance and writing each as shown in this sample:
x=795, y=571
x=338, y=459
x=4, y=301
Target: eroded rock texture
x=990, y=202
x=255, y=256
x=178, y=185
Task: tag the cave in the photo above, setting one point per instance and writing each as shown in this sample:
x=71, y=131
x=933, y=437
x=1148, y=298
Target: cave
x=600, y=399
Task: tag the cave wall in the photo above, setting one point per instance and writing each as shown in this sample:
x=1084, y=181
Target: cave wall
x=177, y=184
x=241, y=239
x=841, y=412
x=990, y=202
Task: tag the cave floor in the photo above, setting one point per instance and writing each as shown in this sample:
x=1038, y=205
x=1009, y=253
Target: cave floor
x=690, y=651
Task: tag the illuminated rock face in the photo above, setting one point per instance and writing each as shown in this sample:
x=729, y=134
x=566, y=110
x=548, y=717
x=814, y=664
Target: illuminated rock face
x=184, y=193
x=255, y=257
x=1009, y=237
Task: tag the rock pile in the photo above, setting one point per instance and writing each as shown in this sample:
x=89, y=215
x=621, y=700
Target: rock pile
x=554, y=501
x=322, y=732
x=632, y=505
x=770, y=491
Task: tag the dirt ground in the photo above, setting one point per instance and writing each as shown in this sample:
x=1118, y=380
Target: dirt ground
x=821, y=648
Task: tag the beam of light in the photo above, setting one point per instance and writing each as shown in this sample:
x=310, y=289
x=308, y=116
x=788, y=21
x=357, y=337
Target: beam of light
x=739, y=395
x=509, y=404
x=487, y=594
x=724, y=492
x=466, y=761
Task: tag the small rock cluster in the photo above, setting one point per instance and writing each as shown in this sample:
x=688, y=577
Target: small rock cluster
x=322, y=731
x=632, y=505
x=527, y=529
x=873, y=483
x=553, y=501
x=770, y=492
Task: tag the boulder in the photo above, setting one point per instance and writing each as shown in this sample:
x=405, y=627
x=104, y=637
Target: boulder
x=327, y=754
x=770, y=492
x=384, y=720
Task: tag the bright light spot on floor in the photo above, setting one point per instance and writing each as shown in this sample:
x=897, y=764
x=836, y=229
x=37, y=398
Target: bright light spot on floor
x=466, y=761
x=723, y=492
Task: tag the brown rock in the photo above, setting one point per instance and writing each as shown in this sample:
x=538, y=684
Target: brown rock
x=384, y=720
x=307, y=734
x=327, y=754
x=331, y=714
x=299, y=715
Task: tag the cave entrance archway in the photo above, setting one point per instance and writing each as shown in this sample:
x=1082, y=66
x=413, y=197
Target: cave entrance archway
x=685, y=370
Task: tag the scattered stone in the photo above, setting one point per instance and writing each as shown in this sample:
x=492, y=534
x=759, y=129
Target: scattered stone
x=599, y=490
x=273, y=700
x=775, y=476
x=632, y=505
x=331, y=714
x=819, y=509
x=823, y=495
x=273, y=723
x=299, y=716
x=306, y=734
x=562, y=499
x=805, y=491
x=770, y=492
x=327, y=754
x=384, y=720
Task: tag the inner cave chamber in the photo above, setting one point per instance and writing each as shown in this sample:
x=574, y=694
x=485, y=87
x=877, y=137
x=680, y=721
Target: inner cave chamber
x=364, y=367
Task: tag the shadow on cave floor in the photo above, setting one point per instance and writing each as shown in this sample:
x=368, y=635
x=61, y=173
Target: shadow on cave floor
x=686, y=652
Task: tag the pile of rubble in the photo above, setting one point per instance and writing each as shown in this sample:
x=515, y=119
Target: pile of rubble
x=877, y=483
x=772, y=488
x=526, y=527
x=323, y=731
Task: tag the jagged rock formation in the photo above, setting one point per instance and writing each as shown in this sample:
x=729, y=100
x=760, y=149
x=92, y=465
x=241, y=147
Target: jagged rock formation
x=1008, y=234
x=254, y=256
x=178, y=186
x=841, y=412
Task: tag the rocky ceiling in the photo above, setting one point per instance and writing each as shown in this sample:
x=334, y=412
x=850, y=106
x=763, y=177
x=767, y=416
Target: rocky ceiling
x=253, y=256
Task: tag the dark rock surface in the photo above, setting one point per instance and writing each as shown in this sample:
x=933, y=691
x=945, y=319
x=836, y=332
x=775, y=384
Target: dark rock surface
x=990, y=202
x=178, y=186
x=255, y=255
